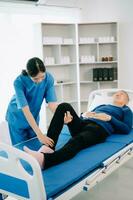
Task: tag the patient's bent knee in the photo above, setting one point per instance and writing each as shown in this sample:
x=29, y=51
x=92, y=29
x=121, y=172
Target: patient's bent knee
x=64, y=106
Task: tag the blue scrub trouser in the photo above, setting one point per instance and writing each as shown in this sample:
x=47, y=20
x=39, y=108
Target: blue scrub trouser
x=20, y=135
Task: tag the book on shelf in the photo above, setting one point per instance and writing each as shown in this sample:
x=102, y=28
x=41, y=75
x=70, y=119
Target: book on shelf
x=100, y=74
x=115, y=73
x=105, y=74
x=110, y=74
x=95, y=74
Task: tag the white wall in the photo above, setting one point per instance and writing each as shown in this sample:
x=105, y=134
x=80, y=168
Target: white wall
x=17, y=36
x=17, y=40
x=121, y=11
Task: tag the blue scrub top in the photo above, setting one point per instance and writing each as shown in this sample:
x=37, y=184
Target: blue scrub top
x=32, y=94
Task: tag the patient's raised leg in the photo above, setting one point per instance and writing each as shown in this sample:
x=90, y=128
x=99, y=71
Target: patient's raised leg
x=57, y=122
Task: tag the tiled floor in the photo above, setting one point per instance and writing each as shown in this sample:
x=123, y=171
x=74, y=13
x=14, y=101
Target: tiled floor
x=117, y=186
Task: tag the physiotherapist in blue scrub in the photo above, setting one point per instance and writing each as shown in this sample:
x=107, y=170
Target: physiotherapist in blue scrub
x=32, y=86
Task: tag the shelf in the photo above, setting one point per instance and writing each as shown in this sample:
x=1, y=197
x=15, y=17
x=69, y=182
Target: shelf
x=102, y=43
x=114, y=81
x=106, y=62
x=89, y=43
x=98, y=62
x=86, y=82
x=66, y=44
x=65, y=83
x=56, y=44
x=59, y=64
x=97, y=43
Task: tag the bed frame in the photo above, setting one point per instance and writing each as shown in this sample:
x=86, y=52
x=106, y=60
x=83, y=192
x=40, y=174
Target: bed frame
x=13, y=173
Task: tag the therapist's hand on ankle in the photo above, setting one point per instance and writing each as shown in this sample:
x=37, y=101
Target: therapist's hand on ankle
x=45, y=140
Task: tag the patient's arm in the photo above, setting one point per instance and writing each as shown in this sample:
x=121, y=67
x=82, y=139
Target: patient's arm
x=102, y=116
x=88, y=114
x=123, y=127
x=94, y=115
x=120, y=126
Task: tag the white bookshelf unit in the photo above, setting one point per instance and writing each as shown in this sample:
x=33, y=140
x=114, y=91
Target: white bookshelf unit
x=72, y=51
x=60, y=58
x=98, y=44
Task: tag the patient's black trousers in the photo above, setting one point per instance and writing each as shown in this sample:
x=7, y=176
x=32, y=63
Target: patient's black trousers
x=84, y=134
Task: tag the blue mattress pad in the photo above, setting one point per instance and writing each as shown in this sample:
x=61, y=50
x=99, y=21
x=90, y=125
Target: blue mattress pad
x=59, y=177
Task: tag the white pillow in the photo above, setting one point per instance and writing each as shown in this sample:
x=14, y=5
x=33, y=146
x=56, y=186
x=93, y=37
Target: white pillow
x=99, y=100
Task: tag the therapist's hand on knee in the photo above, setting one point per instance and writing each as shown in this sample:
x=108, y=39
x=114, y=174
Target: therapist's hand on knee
x=45, y=140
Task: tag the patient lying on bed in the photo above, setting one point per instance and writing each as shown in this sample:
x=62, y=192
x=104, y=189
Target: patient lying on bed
x=89, y=129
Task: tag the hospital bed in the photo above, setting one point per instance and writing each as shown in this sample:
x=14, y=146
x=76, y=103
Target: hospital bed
x=22, y=178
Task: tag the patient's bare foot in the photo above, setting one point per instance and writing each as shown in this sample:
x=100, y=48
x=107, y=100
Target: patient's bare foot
x=37, y=155
x=45, y=149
